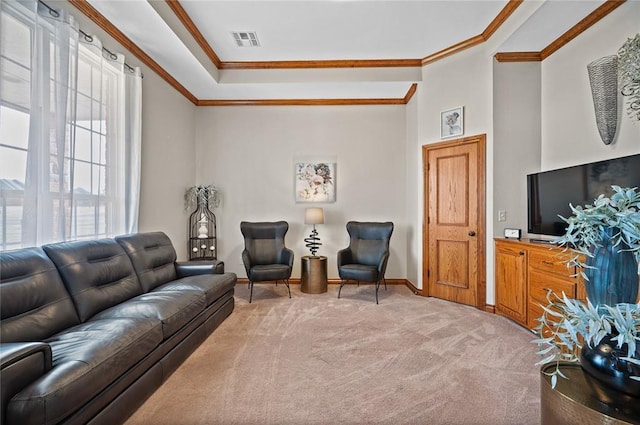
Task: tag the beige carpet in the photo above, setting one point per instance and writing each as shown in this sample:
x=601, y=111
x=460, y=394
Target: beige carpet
x=314, y=359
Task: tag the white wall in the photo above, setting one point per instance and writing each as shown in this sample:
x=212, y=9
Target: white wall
x=569, y=132
x=168, y=160
x=413, y=159
x=516, y=125
x=249, y=153
x=463, y=79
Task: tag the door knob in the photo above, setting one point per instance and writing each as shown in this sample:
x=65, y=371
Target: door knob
x=472, y=233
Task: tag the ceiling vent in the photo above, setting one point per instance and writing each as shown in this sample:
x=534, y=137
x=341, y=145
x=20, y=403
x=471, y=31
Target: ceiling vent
x=246, y=39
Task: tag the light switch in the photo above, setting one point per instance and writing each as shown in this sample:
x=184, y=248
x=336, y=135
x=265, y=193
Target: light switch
x=502, y=215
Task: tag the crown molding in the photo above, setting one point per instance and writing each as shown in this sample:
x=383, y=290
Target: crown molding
x=347, y=63
x=299, y=102
x=410, y=93
x=518, y=57
x=504, y=14
x=184, y=17
x=95, y=16
x=586, y=23
x=311, y=102
x=602, y=11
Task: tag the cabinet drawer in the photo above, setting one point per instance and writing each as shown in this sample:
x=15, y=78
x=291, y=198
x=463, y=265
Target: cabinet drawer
x=539, y=283
x=552, y=262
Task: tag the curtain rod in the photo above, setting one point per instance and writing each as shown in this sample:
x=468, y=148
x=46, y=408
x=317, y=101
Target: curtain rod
x=89, y=38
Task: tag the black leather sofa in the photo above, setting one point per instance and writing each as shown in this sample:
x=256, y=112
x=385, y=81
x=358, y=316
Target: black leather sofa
x=90, y=329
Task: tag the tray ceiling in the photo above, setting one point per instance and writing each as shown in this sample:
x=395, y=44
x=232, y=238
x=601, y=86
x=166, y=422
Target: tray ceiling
x=328, y=30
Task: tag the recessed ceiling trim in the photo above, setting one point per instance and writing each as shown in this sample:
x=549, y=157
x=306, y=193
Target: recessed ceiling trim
x=299, y=102
x=194, y=31
x=91, y=13
x=465, y=44
x=518, y=57
x=356, y=63
x=410, y=93
x=591, y=19
x=311, y=102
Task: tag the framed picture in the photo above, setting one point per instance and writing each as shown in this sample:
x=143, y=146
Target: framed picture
x=315, y=181
x=452, y=122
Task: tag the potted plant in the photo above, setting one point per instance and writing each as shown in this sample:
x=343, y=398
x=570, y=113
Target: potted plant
x=605, y=238
x=604, y=341
x=602, y=333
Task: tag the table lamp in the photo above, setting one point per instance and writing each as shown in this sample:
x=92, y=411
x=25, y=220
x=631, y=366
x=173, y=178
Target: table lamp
x=313, y=216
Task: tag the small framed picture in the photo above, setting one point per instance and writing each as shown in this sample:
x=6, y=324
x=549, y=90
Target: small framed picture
x=452, y=122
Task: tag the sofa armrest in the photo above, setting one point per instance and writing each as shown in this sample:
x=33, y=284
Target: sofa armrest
x=21, y=363
x=192, y=268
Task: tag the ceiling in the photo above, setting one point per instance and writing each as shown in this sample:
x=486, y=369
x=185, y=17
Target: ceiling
x=305, y=32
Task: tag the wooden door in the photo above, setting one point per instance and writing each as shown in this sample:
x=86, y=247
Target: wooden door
x=454, y=240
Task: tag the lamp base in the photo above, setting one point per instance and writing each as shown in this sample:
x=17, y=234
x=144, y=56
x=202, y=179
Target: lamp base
x=313, y=242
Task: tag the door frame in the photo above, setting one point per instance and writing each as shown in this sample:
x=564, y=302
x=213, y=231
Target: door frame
x=480, y=140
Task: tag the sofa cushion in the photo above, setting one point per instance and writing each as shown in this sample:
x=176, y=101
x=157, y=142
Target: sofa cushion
x=212, y=285
x=98, y=274
x=173, y=308
x=86, y=359
x=153, y=257
x=34, y=304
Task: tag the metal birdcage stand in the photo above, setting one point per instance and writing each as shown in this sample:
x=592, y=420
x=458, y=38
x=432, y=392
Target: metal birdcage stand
x=202, y=233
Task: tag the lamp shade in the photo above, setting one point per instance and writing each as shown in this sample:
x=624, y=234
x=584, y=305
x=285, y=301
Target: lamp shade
x=313, y=216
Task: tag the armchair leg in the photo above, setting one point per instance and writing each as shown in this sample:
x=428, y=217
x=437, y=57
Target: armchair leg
x=286, y=282
x=250, y=291
x=385, y=284
x=341, y=285
x=377, y=287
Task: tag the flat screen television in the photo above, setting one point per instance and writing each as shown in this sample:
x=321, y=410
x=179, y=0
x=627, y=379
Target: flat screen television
x=551, y=192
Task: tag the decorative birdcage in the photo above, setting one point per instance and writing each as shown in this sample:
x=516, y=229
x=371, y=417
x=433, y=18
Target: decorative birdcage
x=202, y=230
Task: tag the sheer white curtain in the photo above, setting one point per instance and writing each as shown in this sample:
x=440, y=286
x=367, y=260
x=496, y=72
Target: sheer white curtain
x=115, y=116
x=80, y=162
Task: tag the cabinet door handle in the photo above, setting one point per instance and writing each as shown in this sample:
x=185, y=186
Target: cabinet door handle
x=521, y=253
x=547, y=263
x=472, y=233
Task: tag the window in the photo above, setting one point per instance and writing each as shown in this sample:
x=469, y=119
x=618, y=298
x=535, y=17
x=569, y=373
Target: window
x=65, y=168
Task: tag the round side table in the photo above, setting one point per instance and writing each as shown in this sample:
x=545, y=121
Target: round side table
x=581, y=400
x=314, y=275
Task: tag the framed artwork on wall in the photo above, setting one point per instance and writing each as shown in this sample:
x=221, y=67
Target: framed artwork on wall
x=452, y=122
x=315, y=181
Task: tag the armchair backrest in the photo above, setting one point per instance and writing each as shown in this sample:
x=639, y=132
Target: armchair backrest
x=264, y=241
x=369, y=241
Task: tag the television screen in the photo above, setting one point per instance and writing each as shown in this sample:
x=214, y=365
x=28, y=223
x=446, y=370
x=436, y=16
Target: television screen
x=551, y=192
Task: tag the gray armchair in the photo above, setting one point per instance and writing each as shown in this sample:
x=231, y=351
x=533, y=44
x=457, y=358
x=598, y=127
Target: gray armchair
x=265, y=256
x=365, y=259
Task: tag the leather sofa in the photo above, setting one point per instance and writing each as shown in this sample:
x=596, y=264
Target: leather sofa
x=90, y=329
